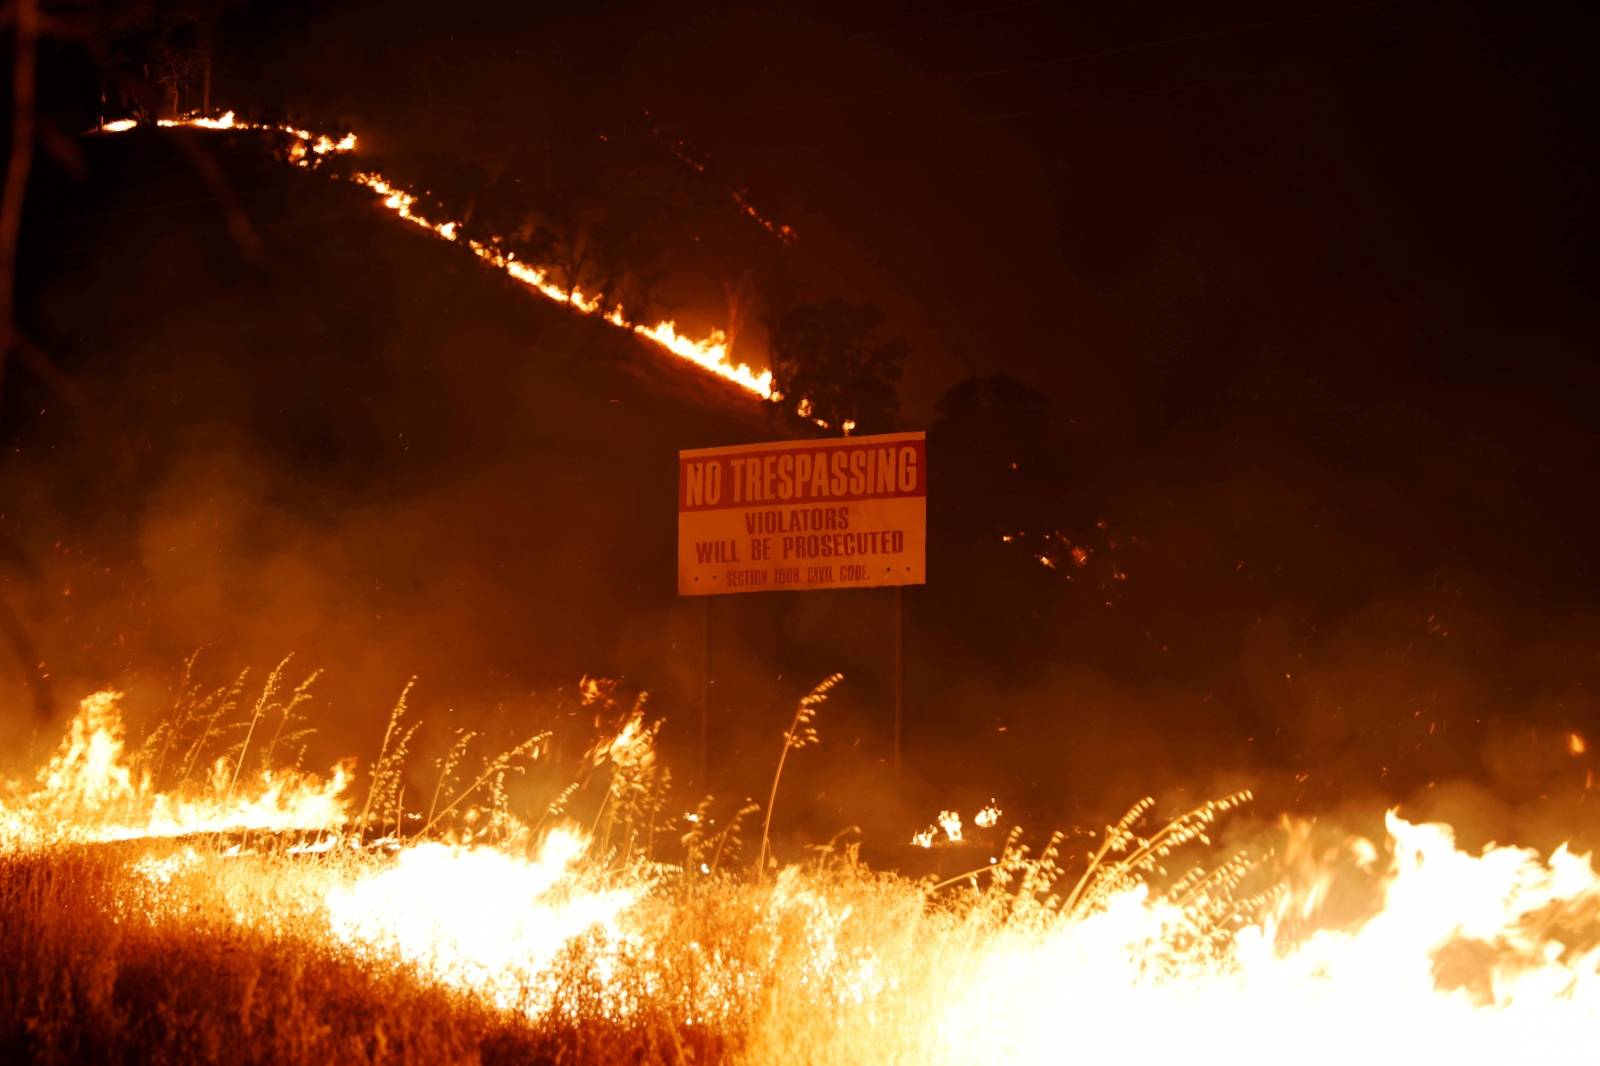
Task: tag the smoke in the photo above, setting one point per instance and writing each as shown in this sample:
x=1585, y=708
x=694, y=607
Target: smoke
x=367, y=451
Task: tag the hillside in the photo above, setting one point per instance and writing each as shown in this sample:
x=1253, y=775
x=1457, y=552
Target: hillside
x=309, y=428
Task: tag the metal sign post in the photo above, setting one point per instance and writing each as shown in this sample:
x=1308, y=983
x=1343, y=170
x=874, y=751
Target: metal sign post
x=899, y=677
x=705, y=693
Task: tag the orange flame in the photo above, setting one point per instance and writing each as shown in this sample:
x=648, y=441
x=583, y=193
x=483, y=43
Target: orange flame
x=90, y=790
x=710, y=353
x=1480, y=959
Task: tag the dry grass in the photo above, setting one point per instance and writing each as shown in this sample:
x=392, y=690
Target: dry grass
x=99, y=964
x=231, y=959
x=228, y=948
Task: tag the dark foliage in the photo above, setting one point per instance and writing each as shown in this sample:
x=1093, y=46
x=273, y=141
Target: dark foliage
x=833, y=355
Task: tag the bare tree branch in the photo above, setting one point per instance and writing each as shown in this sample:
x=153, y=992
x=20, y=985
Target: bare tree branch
x=25, y=33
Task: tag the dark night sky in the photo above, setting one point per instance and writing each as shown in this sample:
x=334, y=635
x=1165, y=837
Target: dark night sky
x=1119, y=203
x=1309, y=286
x=1354, y=230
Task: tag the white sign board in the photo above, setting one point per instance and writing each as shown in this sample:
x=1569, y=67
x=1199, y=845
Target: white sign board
x=844, y=512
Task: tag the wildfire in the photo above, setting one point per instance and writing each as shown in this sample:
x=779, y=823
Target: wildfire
x=949, y=823
x=1450, y=957
x=90, y=791
x=482, y=920
x=1470, y=959
x=710, y=353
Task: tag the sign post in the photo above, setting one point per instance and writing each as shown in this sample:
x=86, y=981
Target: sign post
x=899, y=676
x=705, y=688
x=832, y=513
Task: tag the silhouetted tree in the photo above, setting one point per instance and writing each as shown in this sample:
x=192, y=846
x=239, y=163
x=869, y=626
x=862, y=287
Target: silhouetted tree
x=831, y=357
x=746, y=277
x=601, y=226
x=746, y=258
x=172, y=46
x=629, y=252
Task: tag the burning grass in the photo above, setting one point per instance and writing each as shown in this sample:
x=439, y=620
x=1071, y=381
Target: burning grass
x=107, y=962
x=304, y=148
x=596, y=926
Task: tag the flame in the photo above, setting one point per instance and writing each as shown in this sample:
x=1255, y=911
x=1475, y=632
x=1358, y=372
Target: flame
x=1474, y=958
x=89, y=790
x=1532, y=996
x=479, y=919
x=1576, y=745
x=988, y=989
x=710, y=353
x=950, y=822
x=225, y=121
x=784, y=233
